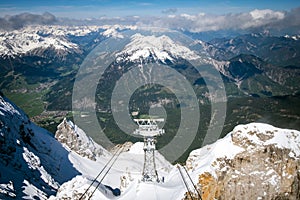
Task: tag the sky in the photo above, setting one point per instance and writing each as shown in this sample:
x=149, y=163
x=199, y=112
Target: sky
x=82, y=9
x=280, y=17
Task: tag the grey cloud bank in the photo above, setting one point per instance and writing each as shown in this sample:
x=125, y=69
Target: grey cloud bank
x=23, y=19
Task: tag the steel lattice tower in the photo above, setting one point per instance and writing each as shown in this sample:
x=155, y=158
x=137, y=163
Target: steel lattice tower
x=149, y=129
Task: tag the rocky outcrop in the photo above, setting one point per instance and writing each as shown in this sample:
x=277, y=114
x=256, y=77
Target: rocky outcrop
x=74, y=138
x=267, y=165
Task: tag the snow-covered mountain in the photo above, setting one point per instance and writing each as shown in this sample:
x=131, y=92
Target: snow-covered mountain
x=31, y=40
x=52, y=52
x=254, y=161
x=36, y=164
x=35, y=40
x=160, y=48
x=32, y=163
x=240, y=69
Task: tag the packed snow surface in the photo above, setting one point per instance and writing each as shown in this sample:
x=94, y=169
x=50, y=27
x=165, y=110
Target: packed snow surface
x=126, y=172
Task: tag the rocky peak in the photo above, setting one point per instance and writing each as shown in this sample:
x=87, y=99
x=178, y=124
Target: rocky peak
x=258, y=162
x=74, y=138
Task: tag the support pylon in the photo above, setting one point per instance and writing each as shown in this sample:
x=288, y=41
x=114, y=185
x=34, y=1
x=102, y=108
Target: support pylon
x=149, y=129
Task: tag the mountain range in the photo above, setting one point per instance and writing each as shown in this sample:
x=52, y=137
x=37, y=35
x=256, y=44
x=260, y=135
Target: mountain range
x=150, y=100
x=260, y=73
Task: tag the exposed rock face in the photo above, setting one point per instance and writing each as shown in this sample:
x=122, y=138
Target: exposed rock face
x=73, y=137
x=267, y=166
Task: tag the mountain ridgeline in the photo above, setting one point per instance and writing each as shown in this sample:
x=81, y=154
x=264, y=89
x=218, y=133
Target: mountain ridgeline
x=260, y=73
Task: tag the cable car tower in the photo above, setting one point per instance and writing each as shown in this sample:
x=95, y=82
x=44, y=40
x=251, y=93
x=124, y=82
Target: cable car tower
x=149, y=129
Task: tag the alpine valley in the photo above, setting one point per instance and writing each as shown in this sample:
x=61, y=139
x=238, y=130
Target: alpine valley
x=260, y=73
x=43, y=154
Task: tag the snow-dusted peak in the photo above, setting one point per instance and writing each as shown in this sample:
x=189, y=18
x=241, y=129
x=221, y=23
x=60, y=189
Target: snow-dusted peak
x=35, y=38
x=244, y=140
x=161, y=48
x=262, y=158
x=249, y=137
x=111, y=32
x=294, y=37
x=256, y=135
x=29, y=39
x=114, y=30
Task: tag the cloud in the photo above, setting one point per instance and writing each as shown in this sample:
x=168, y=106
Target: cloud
x=145, y=4
x=252, y=21
x=290, y=23
x=23, y=19
x=169, y=11
x=266, y=14
x=255, y=20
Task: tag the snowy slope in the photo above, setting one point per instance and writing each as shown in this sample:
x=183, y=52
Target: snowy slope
x=161, y=48
x=126, y=173
x=32, y=163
